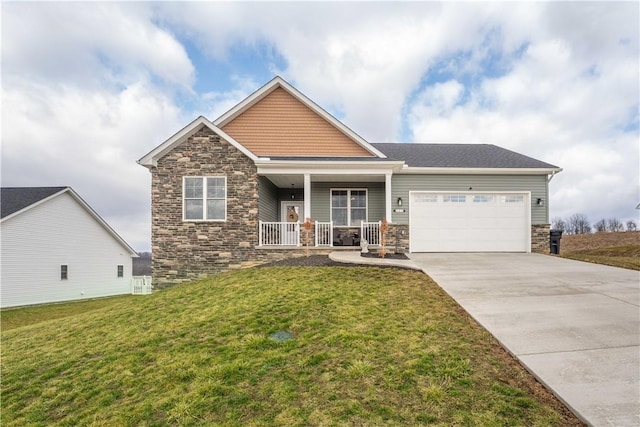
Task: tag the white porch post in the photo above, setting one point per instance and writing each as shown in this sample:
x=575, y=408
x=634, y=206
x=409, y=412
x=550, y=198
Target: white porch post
x=387, y=196
x=307, y=196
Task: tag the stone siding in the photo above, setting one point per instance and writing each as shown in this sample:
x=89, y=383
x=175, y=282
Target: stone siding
x=540, y=238
x=184, y=251
x=398, y=238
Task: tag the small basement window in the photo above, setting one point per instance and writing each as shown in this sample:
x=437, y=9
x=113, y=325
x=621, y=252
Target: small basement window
x=121, y=271
x=64, y=272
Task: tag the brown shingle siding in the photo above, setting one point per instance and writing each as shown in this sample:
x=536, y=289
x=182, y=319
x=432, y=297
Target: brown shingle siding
x=280, y=125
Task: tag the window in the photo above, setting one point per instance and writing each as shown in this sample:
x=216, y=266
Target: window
x=425, y=198
x=512, y=199
x=483, y=199
x=64, y=272
x=205, y=198
x=454, y=199
x=348, y=207
x=121, y=271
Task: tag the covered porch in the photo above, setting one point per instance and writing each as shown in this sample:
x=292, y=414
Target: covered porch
x=342, y=204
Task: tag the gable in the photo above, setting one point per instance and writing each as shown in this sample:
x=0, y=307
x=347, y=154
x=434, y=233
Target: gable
x=41, y=199
x=280, y=125
x=14, y=199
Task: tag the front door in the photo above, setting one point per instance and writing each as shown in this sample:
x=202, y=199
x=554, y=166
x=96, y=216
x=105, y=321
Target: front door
x=292, y=212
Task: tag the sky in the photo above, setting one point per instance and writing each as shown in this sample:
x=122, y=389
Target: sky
x=88, y=88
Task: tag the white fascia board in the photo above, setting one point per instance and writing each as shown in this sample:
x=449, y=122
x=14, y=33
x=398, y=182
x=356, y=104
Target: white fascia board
x=316, y=172
x=248, y=101
x=151, y=159
x=280, y=82
x=479, y=171
x=323, y=171
x=86, y=207
x=33, y=205
x=337, y=166
x=101, y=221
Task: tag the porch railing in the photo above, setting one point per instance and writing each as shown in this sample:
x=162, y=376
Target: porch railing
x=279, y=233
x=324, y=233
x=141, y=285
x=371, y=232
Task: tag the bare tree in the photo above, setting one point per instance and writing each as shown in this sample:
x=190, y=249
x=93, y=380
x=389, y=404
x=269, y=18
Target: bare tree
x=600, y=226
x=578, y=224
x=558, y=223
x=614, y=225
x=631, y=225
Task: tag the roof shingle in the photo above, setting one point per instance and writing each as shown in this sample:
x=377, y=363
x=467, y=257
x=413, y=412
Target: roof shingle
x=14, y=199
x=459, y=156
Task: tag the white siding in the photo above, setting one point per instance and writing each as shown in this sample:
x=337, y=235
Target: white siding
x=38, y=241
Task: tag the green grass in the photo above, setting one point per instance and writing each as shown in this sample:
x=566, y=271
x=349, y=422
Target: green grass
x=371, y=347
x=621, y=256
x=19, y=317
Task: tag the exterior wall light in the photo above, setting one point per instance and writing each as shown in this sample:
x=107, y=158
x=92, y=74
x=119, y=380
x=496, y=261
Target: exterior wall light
x=540, y=202
x=399, y=201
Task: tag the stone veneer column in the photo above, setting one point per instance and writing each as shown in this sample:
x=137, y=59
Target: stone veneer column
x=401, y=233
x=540, y=238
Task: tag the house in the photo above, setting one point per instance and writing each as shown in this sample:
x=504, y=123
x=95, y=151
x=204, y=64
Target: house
x=56, y=248
x=234, y=191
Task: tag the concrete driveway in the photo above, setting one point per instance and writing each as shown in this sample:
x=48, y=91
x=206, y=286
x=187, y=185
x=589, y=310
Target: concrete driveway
x=574, y=325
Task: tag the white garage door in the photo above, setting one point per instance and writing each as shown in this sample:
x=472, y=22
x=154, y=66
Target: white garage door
x=469, y=222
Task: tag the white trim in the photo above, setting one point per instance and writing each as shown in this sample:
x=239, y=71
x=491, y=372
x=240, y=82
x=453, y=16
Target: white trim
x=478, y=171
x=151, y=159
x=86, y=207
x=307, y=196
x=204, y=198
x=348, y=190
x=33, y=205
x=387, y=198
x=313, y=171
x=277, y=82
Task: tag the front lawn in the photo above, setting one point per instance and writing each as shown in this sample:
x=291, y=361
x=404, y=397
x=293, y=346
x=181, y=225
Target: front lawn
x=370, y=347
x=619, y=256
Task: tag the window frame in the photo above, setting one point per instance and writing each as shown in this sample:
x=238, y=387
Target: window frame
x=64, y=271
x=204, y=198
x=348, y=208
x=120, y=271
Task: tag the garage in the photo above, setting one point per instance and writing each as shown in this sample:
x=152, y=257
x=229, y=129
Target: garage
x=469, y=221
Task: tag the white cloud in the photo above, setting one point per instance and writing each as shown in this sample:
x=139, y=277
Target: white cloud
x=89, y=141
x=88, y=88
x=90, y=44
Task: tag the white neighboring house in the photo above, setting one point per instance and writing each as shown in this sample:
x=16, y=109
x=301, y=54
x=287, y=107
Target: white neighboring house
x=55, y=247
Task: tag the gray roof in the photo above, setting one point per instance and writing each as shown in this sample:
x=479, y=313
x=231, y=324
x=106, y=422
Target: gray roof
x=14, y=199
x=459, y=156
x=329, y=158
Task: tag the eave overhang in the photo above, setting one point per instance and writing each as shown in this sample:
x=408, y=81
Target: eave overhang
x=478, y=171
x=151, y=159
x=327, y=167
x=86, y=207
